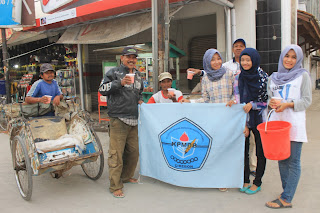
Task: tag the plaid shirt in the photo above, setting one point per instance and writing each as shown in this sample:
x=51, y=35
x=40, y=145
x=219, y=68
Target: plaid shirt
x=217, y=91
x=129, y=121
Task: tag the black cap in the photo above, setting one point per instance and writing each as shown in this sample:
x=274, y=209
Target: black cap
x=130, y=51
x=240, y=40
x=46, y=67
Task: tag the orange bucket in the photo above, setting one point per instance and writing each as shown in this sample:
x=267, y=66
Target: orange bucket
x=275, y=138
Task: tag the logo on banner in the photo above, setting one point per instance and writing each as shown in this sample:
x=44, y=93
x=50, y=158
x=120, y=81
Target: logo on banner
x=185, y=145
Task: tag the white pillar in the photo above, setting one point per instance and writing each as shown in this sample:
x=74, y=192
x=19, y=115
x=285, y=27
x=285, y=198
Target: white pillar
x=285, y=23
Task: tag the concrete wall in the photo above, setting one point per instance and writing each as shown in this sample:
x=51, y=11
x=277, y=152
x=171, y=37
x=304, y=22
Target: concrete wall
x=246, y=21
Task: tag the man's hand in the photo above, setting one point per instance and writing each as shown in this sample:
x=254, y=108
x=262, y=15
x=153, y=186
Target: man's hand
x=172, y=97
x=183, y=100
x=126, y=80
x=43, y=99
x=56, y=100
x=247, y=107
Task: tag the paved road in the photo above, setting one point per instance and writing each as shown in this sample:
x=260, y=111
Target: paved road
x=76, y=193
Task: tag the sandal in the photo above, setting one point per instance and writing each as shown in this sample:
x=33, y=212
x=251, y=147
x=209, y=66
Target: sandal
x=132, y=181
x=278, y=201
x=118, y=194
x=223, y=189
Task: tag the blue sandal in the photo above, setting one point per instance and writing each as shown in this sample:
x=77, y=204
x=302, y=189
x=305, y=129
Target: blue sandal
x=243, y=189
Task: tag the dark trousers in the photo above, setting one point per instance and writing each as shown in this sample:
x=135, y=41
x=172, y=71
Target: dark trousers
x=261, y=160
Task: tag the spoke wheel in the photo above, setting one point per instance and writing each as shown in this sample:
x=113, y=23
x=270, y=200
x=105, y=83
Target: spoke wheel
x=3, y=122
x=22, y=167
x=94, y=169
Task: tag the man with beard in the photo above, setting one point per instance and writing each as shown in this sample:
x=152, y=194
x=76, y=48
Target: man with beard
x=123, y=88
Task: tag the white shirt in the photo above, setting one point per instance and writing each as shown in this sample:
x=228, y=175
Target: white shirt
x=289, y=92
x=233, y=66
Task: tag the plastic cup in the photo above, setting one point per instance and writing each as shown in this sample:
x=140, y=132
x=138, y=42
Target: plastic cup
x=190, y=75
x=171, y=91
x=49, y=99
x=131, y=75
x=277, y=101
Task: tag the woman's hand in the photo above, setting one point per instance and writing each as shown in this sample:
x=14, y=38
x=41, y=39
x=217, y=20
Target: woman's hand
x=246, y=131
x=247, y=107
x=230, y=103
x=273, y=104
x=282, y=106
x=196, y=71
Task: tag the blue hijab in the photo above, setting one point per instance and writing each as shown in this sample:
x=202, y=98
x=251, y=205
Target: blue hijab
x=213, y=75
x=284, y=75
x=249, y=80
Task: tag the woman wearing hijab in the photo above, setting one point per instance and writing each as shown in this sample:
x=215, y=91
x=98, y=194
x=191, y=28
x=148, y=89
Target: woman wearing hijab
x=252, y=91
x=291, y=83
x=217, y=82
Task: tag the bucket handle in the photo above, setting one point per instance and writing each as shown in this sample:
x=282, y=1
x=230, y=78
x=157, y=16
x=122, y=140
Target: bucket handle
x=265, y=129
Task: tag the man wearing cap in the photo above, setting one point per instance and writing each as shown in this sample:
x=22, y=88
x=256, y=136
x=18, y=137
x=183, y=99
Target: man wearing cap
x=45, y=86
x=234, y=64
x=163, y=96
x=123, y=99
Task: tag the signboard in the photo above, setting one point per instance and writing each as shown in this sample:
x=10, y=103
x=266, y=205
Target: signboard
x=59, y=16
x=50, y=6
x=16, y=13
x=10, y=11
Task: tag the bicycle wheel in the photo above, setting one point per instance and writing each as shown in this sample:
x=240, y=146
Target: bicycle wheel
x=3, y=122
x=94, y=169
x=22, y=167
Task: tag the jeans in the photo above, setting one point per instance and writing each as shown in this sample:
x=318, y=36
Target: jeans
x=261, y=160
x=290, y=170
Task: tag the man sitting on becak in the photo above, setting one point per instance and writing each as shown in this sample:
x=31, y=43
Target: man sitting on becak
x=42, y=89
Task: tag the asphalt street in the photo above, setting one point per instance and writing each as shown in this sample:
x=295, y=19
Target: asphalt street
x=74, y=192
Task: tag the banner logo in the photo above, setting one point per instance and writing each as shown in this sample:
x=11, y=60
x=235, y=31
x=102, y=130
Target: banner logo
x=185, y=145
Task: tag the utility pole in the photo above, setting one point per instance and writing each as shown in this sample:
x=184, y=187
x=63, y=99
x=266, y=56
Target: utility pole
x=160, y=39
x=5, y=63
x=161, y=35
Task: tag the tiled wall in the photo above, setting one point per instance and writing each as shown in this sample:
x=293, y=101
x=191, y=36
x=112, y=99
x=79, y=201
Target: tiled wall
x=268, y=23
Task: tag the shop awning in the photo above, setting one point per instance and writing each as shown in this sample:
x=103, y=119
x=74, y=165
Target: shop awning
x=309, y=29
x=22, y=37
x=107, y=31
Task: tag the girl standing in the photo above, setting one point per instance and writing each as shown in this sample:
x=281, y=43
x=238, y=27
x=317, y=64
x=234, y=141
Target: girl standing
x=252, y=88
x=292, y=83
x=217, y=82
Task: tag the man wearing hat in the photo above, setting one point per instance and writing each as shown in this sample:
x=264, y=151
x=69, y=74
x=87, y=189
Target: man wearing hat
x=163, y=96
x=234, y=64
x=45, y=86
x=123, y=95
